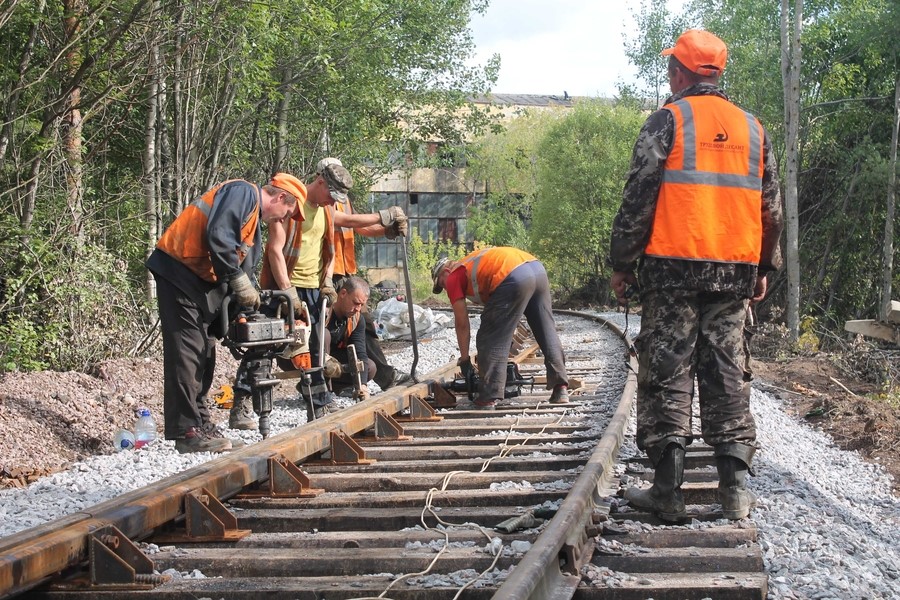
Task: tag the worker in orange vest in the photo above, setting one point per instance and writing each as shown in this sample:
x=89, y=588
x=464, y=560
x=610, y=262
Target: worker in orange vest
x=299, y=259
x=509, y=283
x=210, y=250
x=386, y=376
x=700, y=222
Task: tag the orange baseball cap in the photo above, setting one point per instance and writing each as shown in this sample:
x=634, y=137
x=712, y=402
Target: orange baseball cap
x=294, y=187
x=700, y=51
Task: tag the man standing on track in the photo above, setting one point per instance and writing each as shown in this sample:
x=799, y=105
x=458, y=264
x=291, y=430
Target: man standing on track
x=211, y=249
x=299, y=259
x=386, y=376
x=700, y=220
x=508, y=283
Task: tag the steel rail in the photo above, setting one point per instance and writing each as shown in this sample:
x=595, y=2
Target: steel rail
x=550, y=570
x=30, y=557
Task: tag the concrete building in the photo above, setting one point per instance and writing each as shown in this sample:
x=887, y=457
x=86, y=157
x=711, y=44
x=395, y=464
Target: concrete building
x=438, y=200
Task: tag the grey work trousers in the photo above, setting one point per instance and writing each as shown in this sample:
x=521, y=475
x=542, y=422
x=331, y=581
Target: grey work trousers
x=525, y=291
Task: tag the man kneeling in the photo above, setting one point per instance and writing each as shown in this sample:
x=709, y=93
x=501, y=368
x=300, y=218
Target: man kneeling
x=345, y=328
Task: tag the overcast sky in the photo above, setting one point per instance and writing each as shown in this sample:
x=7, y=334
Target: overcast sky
x=556, y=46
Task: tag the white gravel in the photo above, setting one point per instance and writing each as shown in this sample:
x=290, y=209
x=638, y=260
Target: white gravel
x=828, y=521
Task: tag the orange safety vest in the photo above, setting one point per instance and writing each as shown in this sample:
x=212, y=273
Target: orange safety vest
x=710, y=202
x=352, y=322
x=487, y=268
x=291, y=249
x=344, y=245
x=185, y=240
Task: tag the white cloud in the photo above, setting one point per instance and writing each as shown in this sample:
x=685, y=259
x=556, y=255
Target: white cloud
x=548, y=47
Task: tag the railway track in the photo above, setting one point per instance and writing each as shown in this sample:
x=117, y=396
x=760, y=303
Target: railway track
x=407, y=496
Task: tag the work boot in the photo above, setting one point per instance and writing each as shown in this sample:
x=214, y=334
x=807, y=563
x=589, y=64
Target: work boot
x=734, y=496
x=664, y=497
x=488, y=404
x=560, y=394
x=212, y=431
x=196, y=440
x=242, y=415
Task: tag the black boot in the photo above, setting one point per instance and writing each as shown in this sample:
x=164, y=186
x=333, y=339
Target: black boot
x=736, y=499
x=664, y=498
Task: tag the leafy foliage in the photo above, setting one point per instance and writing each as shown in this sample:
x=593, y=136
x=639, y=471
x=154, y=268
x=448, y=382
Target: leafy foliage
x=173, y=97
x=582, y=165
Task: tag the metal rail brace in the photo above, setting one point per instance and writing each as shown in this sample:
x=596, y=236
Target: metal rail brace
x=116, y=563
x=441, y=398
x=286, y=480
x=344, y=451
x=385, y=428
x=419, y=410
x=206, y=520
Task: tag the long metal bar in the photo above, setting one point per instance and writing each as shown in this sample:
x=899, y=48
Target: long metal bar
x=409, y=304
x=30, y=556
x=547, y=572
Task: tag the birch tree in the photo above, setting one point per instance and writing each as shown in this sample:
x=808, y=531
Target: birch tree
x=791, y=56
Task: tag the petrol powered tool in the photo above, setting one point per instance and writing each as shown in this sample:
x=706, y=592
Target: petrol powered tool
x=469, y=382
x=257, y=337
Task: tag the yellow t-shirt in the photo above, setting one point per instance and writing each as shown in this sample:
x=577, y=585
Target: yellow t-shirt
x=309, y=262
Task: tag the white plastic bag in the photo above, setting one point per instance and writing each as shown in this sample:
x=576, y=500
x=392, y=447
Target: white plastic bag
x=392, y=320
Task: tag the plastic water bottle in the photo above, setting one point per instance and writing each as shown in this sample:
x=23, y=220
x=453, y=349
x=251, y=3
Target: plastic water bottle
x=144, y=428
x=123, y=440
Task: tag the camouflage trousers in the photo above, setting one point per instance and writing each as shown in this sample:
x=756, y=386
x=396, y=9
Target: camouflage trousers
x=687, y=334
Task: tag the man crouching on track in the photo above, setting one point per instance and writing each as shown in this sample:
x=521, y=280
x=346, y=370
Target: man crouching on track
x=701, y=214
x=213, y=247
x=346, y=326
x=508, y=283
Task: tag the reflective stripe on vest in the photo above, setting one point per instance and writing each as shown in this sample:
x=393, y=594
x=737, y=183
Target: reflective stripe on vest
x=185, y=239
x=487, y=268
x=710, y=201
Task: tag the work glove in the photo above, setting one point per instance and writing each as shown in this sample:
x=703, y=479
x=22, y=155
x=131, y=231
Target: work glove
x=465, y=367
x=332, y=367
x=295, y=300
x=247, y=295
x=399, y=227
x=391, y=215
x=328, y=291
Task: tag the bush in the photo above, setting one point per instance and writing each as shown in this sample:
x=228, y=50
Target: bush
x=422, y=256
x=68, y=310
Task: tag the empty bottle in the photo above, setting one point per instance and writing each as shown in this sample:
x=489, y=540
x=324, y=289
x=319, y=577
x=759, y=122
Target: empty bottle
x=123, y=440
x=144, y=428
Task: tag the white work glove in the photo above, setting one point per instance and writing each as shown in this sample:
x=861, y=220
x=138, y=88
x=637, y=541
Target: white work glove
x=295, y=300
x=247, y=295
x=328, y=291
x=332, y=367
x=391, y=215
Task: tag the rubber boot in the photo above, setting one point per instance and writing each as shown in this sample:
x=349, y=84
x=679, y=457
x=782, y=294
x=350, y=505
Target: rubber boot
x=734, y=496
x=664, y=498
x=241, y=415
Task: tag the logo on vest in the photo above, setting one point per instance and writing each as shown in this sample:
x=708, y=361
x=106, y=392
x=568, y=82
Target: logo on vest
x=718, y=144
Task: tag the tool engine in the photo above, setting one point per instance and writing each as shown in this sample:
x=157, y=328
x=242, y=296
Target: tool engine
x=257, y=338
x=470, y=383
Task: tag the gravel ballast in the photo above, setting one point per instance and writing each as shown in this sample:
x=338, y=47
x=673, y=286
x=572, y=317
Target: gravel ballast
x=827, y=520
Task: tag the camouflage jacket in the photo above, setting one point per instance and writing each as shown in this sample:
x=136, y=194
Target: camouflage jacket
x=633, y=223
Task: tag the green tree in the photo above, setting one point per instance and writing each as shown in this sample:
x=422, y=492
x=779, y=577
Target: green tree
x=582, y=164
x=507, y=161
